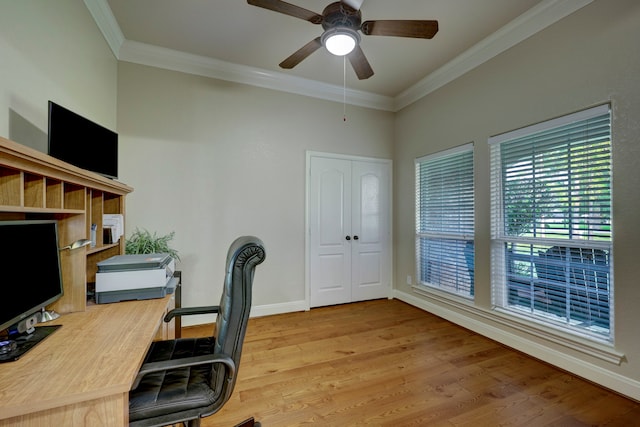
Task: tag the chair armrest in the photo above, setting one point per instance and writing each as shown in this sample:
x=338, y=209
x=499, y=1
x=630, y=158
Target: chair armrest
x=185, y=311
x=148, y=368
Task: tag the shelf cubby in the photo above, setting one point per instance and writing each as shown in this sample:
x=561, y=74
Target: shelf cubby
x=112, y=204
x=73, y=196
x=10, y=187
x=54, y=194
x=34, y=190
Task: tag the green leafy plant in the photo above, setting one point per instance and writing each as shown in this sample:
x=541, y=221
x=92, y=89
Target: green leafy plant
x=143, y=242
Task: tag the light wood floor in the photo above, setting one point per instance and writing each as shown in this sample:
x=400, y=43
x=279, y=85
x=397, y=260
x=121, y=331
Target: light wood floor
x=386, y=363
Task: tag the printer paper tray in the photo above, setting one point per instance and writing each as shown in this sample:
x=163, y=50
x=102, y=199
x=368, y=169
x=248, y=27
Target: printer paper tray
x=136, y=294
x=130, y=294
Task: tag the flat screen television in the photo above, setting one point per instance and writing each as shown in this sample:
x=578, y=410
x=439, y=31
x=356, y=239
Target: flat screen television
x=81, y=142
x=32, y=278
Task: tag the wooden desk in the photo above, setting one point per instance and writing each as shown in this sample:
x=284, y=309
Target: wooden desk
x=82, y=373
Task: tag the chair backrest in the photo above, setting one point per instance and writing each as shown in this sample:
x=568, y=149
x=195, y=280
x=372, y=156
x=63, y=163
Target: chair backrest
x=244, y=254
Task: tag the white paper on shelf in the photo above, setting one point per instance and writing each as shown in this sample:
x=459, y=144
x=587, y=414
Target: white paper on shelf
x=116, y=223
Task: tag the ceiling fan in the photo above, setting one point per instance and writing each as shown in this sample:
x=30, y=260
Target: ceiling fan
x=341, y=22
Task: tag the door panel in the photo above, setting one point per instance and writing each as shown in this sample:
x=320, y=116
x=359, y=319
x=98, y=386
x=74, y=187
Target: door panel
x=330, y=222
x=370, y=219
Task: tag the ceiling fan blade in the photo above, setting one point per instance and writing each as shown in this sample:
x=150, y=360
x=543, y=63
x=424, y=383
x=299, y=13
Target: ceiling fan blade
x=360, y=64
x=353, y=4
x=400, y=28
x=288, y=9
x=301, y=53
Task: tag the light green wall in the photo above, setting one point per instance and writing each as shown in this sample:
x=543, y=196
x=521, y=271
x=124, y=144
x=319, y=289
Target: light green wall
x=589, y=58
x=212, y=160
x=52, y=50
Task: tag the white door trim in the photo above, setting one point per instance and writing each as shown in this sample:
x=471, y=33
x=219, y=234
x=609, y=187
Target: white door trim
x=307, y=242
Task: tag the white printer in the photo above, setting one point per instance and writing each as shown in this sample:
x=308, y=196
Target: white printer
x=135, y=277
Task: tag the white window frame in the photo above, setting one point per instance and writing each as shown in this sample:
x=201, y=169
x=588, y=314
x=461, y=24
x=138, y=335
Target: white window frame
x=500, y=238
x=455, y=268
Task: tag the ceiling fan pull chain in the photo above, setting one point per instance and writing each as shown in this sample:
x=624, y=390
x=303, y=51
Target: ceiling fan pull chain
x=344, y=88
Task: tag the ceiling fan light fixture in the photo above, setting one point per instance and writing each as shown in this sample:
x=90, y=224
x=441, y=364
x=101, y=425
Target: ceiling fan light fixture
x=340, y=41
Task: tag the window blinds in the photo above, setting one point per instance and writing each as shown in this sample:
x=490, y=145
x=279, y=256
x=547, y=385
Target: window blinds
x=551, y=220
x=445, y=220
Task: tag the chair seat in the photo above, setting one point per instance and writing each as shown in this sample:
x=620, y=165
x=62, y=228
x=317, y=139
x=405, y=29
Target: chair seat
x=176, y=390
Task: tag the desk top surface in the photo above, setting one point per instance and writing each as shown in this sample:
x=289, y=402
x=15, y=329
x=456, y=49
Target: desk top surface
x=96, y=353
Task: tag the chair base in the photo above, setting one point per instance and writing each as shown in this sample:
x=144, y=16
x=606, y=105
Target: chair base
x=250, y=422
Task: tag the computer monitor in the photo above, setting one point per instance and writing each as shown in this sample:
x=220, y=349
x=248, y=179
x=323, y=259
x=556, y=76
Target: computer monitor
x=32, y=277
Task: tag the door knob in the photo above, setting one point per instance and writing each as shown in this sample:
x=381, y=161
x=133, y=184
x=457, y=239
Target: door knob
x=355, y=237
x=348, y=237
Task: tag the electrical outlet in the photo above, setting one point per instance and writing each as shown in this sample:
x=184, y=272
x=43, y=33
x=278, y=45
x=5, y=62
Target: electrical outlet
x=409, y=280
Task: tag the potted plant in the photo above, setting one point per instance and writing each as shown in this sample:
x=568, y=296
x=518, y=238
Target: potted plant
x=143, y=242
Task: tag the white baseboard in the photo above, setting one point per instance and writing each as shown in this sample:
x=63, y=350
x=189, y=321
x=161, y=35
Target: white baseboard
x=591, y=372
x=256, y=311
x=286, y=307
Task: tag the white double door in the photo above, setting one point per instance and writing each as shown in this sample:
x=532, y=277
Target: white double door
x=349, y=230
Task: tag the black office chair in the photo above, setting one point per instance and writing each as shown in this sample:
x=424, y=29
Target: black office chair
x=185, y=379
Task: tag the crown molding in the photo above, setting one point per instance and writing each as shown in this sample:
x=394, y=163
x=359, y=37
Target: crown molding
x=526, y=25
x=155, y=56
x=103, y=16
x=529, y=23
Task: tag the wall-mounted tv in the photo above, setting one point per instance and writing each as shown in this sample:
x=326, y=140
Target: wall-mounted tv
x=81, y=142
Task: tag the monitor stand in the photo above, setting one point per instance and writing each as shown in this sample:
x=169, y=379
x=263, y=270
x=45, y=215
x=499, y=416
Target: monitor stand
x=13, y=349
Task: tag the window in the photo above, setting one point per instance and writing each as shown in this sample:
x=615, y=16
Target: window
x=551, y=222
x=445, y=220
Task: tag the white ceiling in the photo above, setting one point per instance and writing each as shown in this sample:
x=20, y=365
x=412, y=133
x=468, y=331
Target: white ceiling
x=222, y=38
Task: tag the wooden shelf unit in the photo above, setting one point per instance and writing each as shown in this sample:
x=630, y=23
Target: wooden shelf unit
x=34, y=185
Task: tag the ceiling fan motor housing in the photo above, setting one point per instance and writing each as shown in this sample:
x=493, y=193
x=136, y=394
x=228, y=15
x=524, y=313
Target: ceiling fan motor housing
x=340, y=15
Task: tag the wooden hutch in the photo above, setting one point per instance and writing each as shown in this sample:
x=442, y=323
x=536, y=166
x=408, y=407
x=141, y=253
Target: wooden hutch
x=34, y=185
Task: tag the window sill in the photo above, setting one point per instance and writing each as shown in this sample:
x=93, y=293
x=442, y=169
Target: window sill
x=602, y=350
